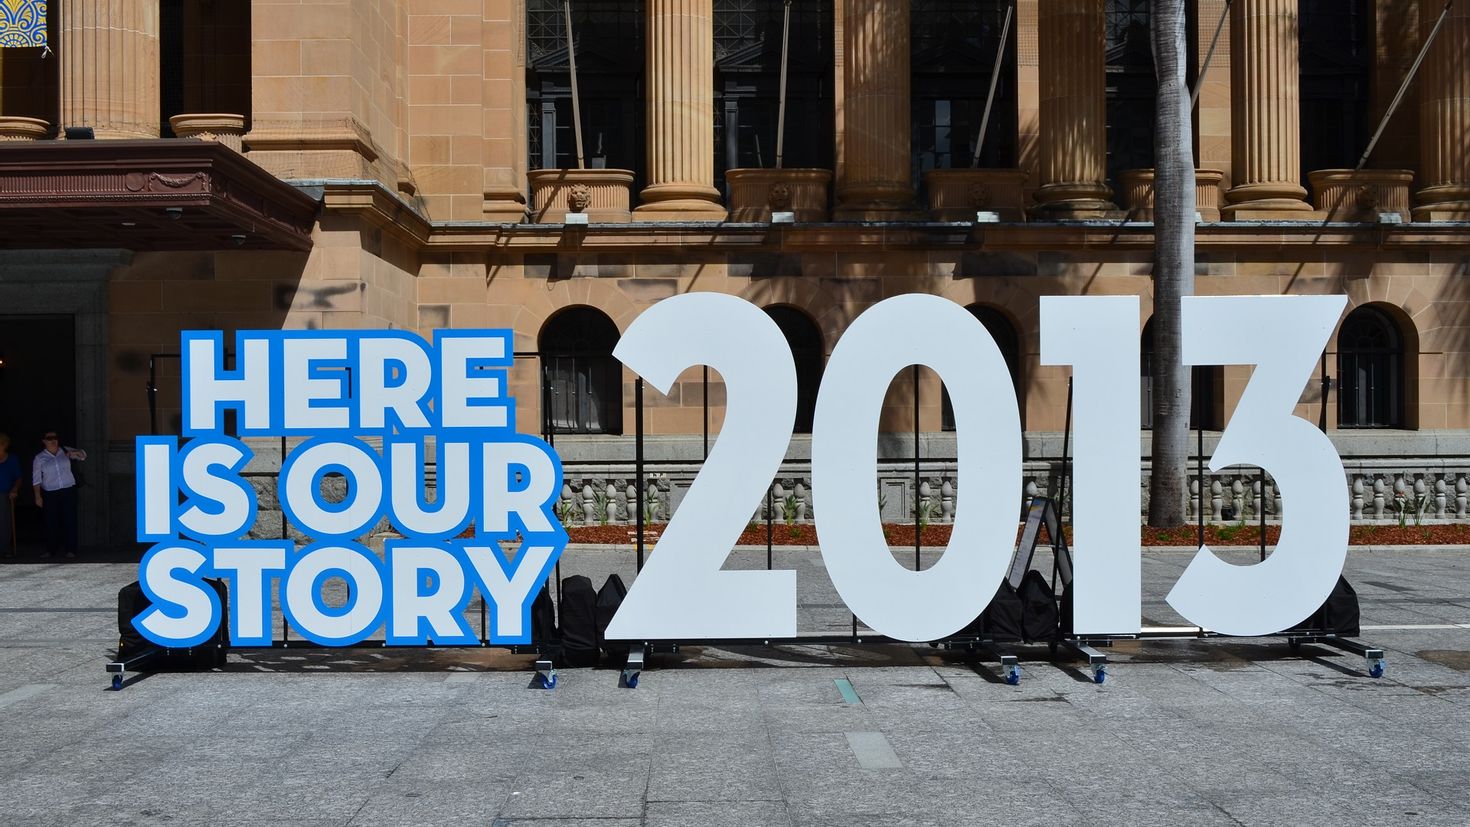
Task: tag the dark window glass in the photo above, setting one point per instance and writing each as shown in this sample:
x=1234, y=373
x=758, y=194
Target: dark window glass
x=748, y=88
x=1131, y=87
x=1004, y=334
x=609, y=42
x=1336, y=78
x=1370, y=357
x=805, y=341
x=170, y=63
x=953, y=45
x=1204, y=388
x=581, y=382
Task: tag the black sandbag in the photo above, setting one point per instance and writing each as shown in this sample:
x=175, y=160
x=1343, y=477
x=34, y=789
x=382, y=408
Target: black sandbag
x=1002, y=619
x=1039, y=618
x=544, y=634
x=609, y=598
x=131, y=602
x=579, y=622
x=1340, y=613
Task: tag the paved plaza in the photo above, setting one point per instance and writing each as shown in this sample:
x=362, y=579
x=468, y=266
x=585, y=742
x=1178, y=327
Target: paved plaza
x=1182, y=732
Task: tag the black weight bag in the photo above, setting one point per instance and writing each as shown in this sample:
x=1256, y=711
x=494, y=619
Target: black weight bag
x=609, y=598
x=131, y=602
x=578, y=622
x=1002, y=619
x=1039, y=618
x=544, y=634
x=1337, y=616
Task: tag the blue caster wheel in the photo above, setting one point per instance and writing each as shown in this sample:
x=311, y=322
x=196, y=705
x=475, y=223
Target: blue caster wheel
x=1376, y=668
x=550, y=682
x=1013, y=675
x=1099, y=674
x=117, y=681
x=631, y=681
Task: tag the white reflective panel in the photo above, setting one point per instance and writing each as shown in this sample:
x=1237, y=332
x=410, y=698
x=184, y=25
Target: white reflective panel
x=1098, y=336
x=888, y=337
x=681, y=592
x=1283, y=336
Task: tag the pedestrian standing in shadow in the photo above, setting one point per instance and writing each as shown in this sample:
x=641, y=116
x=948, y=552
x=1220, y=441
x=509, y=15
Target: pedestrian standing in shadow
x=10, y=478
x=56, y=493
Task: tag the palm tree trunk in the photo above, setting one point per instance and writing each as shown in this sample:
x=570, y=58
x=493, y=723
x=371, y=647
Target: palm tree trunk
x=1174, y=207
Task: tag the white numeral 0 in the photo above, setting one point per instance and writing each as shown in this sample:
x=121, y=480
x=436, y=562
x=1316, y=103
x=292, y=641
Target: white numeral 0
x=895, y=333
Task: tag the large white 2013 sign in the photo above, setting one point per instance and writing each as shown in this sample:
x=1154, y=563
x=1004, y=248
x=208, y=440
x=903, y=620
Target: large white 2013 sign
x=683, y=593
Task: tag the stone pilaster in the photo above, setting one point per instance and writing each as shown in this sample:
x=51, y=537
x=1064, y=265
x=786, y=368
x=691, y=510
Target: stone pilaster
x=1074, y=149
x=504, y=118
x=109, y=70
x=1265, y=79
x=874, y=174
x=681, y=113
x=1395, y=45
x=1444, y=117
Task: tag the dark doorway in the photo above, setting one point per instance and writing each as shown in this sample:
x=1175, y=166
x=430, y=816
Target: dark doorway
x=38, y=390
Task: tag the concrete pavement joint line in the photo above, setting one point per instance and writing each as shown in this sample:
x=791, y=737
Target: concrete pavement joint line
x=30, y=690
x=873, y=751
x=1406, y=627
x=849, y=694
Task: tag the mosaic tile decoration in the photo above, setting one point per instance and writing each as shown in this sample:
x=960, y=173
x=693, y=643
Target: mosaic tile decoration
x=22, y=23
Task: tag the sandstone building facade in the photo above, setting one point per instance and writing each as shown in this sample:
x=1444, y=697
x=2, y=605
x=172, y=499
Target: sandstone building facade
x=181, y=164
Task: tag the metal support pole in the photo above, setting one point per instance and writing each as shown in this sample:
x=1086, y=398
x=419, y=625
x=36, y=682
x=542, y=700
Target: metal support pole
x=152, y=395
x=705, y=394
x=1199, y=82
x=638, y=458
x=781, y=106
x=572, y=70
x=1404, y=87
x=770, y=525
x=1199, y=470
x=1326, y=386
x=1000, y=54
x=1262, y=515
x=918, y=528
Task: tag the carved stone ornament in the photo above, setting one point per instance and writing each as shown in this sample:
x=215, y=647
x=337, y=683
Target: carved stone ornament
x=579, y=198
x=780, y=197
x=979, y=196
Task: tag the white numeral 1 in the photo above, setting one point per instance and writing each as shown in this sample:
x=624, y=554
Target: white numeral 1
x=1098, y=336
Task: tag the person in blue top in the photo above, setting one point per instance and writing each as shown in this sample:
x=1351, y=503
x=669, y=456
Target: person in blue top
x=56, y=493
x=10, y=478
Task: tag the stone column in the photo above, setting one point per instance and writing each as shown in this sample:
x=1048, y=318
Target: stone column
x=681, y=113
x=1074, y=143
x=109, y=70
x=874, y=172
x=1444, y=117
x=1265, y=104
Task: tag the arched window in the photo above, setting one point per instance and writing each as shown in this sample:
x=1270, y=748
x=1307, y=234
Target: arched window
x=1336, y=82
x=1004, y=333
x=1370, y=371
x=1131, y=87
x=609, y=36
x=1205, y=382
x=952, y=53
x=581, y=382
x=747, y=85
x=805, y=341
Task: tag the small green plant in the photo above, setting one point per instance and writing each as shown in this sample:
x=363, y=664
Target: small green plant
x=601, y=506
x=1404, y=506
x=651, y=505
x=923, y=511
x=562, y=510
x=789, y=509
